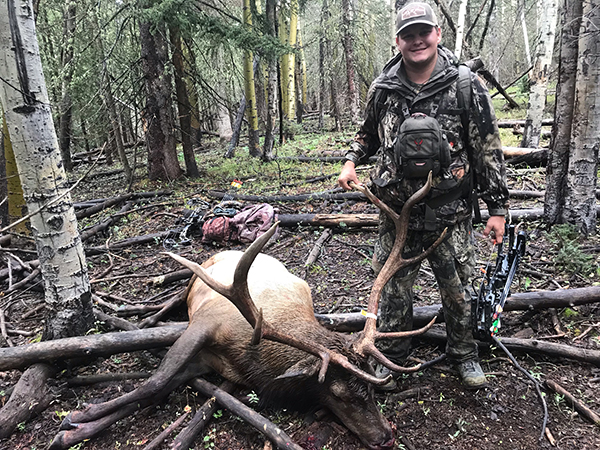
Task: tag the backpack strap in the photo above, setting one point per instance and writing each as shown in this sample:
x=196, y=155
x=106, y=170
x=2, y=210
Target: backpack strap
x=463, y=96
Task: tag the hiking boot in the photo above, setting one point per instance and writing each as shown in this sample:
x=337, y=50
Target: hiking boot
x=471, y=374
x=382, y=372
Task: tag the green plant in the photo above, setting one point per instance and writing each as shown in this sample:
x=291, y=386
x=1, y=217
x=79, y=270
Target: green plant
x=218, y=414
x=253, y=397
x=569, y=255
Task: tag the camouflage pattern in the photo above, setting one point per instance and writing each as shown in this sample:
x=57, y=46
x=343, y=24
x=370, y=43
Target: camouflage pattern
x=478, y=151
x=452, y=263
x=383, y=117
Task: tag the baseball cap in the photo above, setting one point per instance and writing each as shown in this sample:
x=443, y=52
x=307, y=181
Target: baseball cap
x=415, y=12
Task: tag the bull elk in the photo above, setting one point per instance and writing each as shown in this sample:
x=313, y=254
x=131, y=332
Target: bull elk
x=253, y=322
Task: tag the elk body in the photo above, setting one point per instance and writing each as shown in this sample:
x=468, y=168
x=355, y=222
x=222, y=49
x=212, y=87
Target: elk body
x=253, y=322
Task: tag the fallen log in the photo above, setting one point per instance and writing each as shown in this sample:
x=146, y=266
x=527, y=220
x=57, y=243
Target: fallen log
x=522, y=301
x=531, y=346
x=88, y=346
x=289, y=198
x=510, y=123
x=268, y=428
x=185, y=439
x=329, y=220
x=30, y=396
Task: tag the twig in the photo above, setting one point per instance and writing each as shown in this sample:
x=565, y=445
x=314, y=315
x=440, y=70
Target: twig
x=550, y=437
x=582, y=335
x=15, y=287
x=31, y=312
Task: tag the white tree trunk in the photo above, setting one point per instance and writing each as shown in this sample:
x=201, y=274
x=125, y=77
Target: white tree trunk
x=525, y=34
x=460, y=27
x=580, y=202
x=224, y=124
x=25, y=100
x=547, y=15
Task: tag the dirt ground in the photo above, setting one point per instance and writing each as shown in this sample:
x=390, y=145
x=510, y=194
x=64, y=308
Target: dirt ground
x=442, y=415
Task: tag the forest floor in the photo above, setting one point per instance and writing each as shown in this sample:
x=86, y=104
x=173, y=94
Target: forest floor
x=506, y=415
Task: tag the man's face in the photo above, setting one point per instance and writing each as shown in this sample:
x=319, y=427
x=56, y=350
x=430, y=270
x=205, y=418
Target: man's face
x=418, y=44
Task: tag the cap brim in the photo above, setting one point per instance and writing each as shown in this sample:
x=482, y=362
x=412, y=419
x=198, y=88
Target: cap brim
x=416, y=22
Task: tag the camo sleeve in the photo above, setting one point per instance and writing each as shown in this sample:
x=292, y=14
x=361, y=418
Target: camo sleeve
x=366, y=142
x=487, y=156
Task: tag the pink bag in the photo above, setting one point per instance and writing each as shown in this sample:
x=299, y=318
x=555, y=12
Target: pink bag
x=252, y=222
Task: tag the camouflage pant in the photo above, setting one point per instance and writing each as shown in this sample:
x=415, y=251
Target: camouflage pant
x=452, y=263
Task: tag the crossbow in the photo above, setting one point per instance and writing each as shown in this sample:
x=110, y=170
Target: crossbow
x=488, y=304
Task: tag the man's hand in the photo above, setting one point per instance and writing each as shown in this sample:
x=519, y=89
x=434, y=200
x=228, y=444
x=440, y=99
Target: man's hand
x=495, y=224
x=347, y=175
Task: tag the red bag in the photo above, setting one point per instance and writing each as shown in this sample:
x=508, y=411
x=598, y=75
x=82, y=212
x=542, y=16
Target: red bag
x=218, y=229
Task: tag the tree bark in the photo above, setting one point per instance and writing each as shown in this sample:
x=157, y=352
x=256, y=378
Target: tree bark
x=580, y=199
x=348, y=44
x=158, y=114
x=183, y=104
x=539, y=76
x=249, y=87
x=558, y=158
x=25, y=99
x=267, y=153
x=460, y=27
x=66, y=104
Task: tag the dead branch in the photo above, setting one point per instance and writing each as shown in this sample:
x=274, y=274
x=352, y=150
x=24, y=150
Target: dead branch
x=137, y=240
x=177, y=299
x=268, y=428
x=577, y=404
x=185, y=439
x=89, y=232
x=30, y=396
x=88, y=346
x=88, y=380
x=158, y=440
x=107, y=203
x=316, y=250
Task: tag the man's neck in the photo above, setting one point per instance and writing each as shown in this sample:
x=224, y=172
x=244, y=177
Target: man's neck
x=419, y=75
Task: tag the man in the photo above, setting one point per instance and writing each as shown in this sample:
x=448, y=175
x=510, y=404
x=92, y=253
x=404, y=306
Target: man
x=421, y=82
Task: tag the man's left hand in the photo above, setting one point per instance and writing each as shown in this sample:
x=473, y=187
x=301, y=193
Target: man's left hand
x=495, y=224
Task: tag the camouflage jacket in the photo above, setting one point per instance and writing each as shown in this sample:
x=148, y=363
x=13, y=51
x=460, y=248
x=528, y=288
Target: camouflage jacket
x=483, y=149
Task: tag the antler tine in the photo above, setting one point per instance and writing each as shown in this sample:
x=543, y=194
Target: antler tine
x=394, y=262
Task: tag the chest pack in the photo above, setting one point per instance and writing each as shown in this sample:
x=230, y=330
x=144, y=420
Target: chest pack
x=421, y=146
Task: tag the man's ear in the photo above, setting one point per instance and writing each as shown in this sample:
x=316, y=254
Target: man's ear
x=439, y=35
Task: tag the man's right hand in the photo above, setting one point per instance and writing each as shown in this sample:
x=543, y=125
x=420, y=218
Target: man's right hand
x=347, y=175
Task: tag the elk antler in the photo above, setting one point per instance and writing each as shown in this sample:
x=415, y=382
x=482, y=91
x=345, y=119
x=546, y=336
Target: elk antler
x=239, y=295
x=365, y=344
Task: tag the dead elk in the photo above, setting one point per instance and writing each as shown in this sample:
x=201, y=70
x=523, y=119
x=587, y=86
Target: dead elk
x=253, y=322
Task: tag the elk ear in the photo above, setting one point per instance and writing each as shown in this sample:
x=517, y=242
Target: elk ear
x=304, y=368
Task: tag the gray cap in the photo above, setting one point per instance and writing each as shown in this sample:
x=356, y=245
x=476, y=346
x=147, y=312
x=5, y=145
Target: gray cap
x=416, y=12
